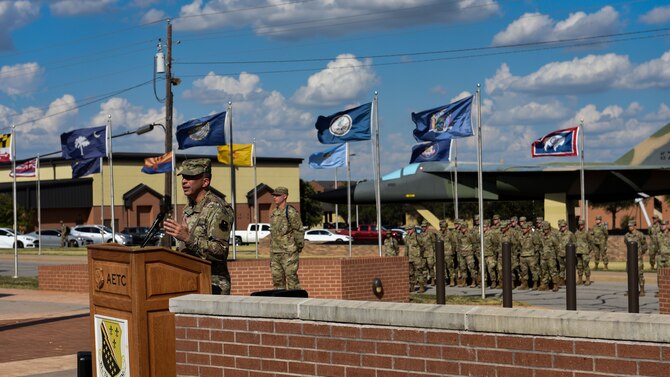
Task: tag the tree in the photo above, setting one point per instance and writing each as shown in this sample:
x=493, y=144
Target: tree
x=614, y=208
x=310, y=209
x=24, y=218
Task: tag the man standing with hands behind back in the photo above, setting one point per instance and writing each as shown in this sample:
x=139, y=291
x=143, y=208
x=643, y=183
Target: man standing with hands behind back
x=287, y=239
x=206, y=223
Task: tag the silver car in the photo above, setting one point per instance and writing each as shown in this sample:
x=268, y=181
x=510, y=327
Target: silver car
x=100, y=234
x=51, y=238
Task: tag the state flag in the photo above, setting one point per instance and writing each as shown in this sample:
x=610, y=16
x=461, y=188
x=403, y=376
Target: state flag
x=556, y=144
x=82, y=168
x=205, y=131
x=157, y=165
x=445, y=122
x=26, y=169
x=84, y=143
x=5, y=147
x=438, y=150
x=348, y=125
x=242, y=154
x=330, y=158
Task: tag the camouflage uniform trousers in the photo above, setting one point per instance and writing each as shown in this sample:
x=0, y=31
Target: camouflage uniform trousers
x=583, y=261
x=560, y=262
x=450, y=264
x=284, y=267
x=417, y=273
x=529, y=269
x=548, y=269
x=600, y=253
x=220, y=279
x=430, y=268
x=492, y=268
x=469, y=265
x=516, y=268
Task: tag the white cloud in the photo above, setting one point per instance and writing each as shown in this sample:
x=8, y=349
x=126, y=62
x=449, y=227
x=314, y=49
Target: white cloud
x=535, y=27
x=327, y=17
x=153, y=15
x=77, y=7
x=657, y=15
x=216, y=89
x=14, y=15
x=344, y=79
x=534, y=112
x=652, y=74
x=662, y=115
x=20, y=79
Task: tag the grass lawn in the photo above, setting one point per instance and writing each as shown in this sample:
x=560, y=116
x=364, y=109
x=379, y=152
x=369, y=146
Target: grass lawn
x=22, y=282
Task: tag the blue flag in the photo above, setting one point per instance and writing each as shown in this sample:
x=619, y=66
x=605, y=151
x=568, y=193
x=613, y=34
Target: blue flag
x=439, y=150
x=330, y=158
x=348, y=125
x=445, y=122
x=557, y=143
x=84, y=143
x=82, y=168
x=209, y=130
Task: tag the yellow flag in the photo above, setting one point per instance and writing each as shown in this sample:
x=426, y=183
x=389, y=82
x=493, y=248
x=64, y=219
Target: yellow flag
x=242, y=154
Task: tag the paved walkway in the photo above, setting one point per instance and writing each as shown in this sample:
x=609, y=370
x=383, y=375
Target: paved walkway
x=42, y=331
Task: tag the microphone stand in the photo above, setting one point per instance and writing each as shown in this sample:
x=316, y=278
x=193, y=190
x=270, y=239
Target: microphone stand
x=154, y=228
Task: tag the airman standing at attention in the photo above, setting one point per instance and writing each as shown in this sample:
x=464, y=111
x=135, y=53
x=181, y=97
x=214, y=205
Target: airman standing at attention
x=427, y=241
x=416, y=260
x=491, y=247
x=508, y=235
x=654, y=230
x=582, y=253
x=565, y=237
x=286, y=243
x=636, y=236
x=528, y=258
x=449, y=255
x=600, y=243
x=664, y=245
x=468, y=245
x=63, y=234
x=391, y=247
x=549, y=270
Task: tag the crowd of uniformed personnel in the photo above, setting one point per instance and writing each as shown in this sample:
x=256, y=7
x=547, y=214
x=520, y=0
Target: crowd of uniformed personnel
x=538, y=252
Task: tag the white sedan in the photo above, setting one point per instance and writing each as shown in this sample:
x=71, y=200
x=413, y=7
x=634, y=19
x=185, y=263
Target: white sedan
x=324, y=235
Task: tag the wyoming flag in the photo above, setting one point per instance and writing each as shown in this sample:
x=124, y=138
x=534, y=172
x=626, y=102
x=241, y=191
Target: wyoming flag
x=242, y=154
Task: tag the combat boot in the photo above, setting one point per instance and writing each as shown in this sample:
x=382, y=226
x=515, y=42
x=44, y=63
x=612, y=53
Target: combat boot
x=524, y=285
x=642, y=294
x=461, y=282
x=422, y=288
x=606, y=267
x=543, y=287
x=579, y=281
x=596, y=267
x=452, y=282
x=588, y=281
x=561, y=282
x=555, y=289
x=475, y=282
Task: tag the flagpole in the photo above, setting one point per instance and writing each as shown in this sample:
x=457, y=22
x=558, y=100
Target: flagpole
x=348, y=195
x=229, y=117
x=455, y=141
x=111, y=175
x=480, y=195
x=337, y=214
x=581, y=167
x=12, y=147
x=375, y=112
x=39, y=205
x=102, y=193
x=253, y=156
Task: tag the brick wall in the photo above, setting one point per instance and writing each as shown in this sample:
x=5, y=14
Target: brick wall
x=337, y=338
x=320, y=277
x=664, y=290
x=68, y=278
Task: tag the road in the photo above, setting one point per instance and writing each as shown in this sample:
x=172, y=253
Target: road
x=28, y=263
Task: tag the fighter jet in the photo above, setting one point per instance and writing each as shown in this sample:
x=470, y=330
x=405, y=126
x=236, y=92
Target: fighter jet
x=645, y=169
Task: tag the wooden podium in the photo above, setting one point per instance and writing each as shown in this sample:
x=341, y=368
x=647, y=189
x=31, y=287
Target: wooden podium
x=132, y=328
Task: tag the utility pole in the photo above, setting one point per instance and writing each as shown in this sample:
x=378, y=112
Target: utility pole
x=168, y=119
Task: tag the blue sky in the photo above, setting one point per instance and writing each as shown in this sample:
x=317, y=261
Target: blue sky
x=542, y=66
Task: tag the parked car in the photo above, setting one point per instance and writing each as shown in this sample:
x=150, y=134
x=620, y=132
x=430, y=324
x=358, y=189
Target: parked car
x=324, y=235
x=138, y=233
x=99, y=234
x=51, y=238
x=22, y=240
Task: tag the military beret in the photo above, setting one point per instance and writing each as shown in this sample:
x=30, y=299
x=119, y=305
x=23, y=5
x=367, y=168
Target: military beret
x=281, y=190
x=496, y=217
x=599, y=217
x=546, y=225
x=196, y=166
x=522, y=218
x=562, y=222
x=514, y=218
x=632, y=223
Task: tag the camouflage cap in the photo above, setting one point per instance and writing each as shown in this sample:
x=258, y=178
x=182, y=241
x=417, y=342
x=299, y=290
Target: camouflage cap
x=562, y=222
x=464, y=224
x=546, y=225
x=632, y=223
x=496, y=217
x=599, y=217
x=443, y=223
x=196, y=166
x=522, y=218
x=504, y=223
x=655, y=217
x=487, y=222
x=539, y=219
x=525, y=226
x=280, y=190
x=514, y=218
x=476, y=217
x=424, y=223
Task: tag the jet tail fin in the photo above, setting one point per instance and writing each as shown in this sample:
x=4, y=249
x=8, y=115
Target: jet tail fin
x=654, y=150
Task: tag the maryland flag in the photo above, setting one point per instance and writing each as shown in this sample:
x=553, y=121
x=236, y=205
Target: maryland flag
x=5, y=147
x=156, y=165
x=242, y=154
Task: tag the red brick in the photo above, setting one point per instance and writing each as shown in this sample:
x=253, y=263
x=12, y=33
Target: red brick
x=639, y=351
x=304, y=369
x=410, y=336
x=409, y=364
x=274, y=365
x=180, y=357
x=288, y=328
x=495, y=356
x=185, y=321
x=359, y=372
x=386, y=348
x=595, y=348
x=376, y=333
x=274, y=340
x=186, y=345
x=222, y=361
x=345, y=332
x=554, y=345
x=330, y=344
x=288, y=353
x=187, y=370
x=235, y=373
x=209, y=347
x=515, y=342
x=316, y=356
x=330, y=370
x=346, y=358
x=573, y=362
x=246, y=363
x=247, y=338
x=210, y=372
x=532, y=359
x=235, y=324
x=262, y=352
x=478, y=340
x=514, y=372
x=197, y=358
x=444, y=338
x=666, y=352
x=649, y=368
x=425, y=351
x=360, y=346
x=553, y=373
x=377, y=361
x=393, y=373
x=301, y=342
x=315, y=329
x=458, y=353
x=210, y=322
x=442, y=367
x=222, y=336
x=263, y=326
x=468, y=369
x=180, y=333
x=616, y=366
x=197, y=334
x=236, y=349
